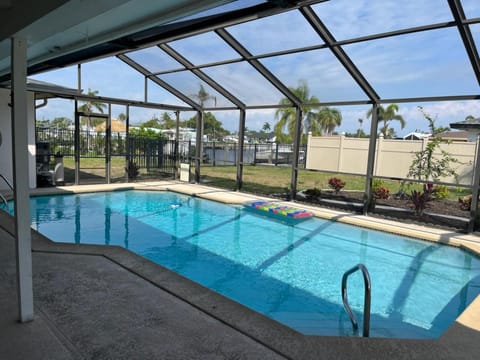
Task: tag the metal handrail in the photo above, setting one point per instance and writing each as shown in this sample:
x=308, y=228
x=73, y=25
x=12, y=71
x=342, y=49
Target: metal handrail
x=367, y=298
x=7, y=182
x=4, y=200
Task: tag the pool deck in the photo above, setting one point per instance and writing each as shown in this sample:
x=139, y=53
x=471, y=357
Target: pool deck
x=104, y=302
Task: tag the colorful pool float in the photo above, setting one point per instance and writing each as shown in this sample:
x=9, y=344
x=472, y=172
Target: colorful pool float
x=278, y=209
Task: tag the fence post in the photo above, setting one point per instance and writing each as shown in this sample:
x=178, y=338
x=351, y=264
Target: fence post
x=213, y=153
x=276, y=154
x=378, y=163
x=340, y=153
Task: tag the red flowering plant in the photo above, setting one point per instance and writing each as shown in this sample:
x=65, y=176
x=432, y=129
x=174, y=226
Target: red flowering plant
x=336, y=184
x=381, y=192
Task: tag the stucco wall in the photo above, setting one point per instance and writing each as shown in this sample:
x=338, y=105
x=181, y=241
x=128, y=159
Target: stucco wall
x=392, y=158
x=6, y=146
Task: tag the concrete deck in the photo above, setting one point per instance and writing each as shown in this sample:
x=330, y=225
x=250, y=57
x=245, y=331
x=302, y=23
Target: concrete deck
x=104, y=302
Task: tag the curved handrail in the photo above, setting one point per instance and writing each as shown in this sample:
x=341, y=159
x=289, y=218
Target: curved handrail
x=7, y=182
x=4, y=200
x=367, y=298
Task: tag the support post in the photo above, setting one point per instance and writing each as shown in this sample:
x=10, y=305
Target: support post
x=21, y=191
x=145, y=89
x=474, y=189
x=127, y=141
x=239, y=158
x=76, y=144
x=198, y=146
x=368, y=196
x=296, y=148
x=79, y=78
x=177, y=143
x=108, y=145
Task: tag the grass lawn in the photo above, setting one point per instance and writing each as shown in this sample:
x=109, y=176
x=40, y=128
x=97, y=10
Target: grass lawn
x=276, y=179
x=257, y=179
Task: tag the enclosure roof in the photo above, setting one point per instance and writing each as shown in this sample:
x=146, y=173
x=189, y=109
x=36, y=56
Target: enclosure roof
x=253, y=54
x=466, y=124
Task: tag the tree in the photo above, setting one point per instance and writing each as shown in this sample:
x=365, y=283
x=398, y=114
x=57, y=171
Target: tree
x=154, y=122
x=211, y=126
x=167, y=122
x=266, y=127
x=425, y=166
x=147, y=132
x=387, y=115
x=42, y=123
x=203, y=96
x=329, y=118
x=61, y=122
x=91, y=105
x=286, y=116
x=122, y=117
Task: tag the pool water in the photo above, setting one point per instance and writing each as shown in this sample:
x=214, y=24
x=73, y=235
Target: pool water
x=289, y=272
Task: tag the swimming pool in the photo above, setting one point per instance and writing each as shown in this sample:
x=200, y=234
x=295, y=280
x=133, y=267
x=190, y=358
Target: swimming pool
x=291, y=273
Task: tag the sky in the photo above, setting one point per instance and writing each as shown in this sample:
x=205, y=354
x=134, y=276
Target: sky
x=429, y=63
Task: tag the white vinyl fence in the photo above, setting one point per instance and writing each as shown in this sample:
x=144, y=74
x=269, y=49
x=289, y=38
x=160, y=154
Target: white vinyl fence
x=392, y=158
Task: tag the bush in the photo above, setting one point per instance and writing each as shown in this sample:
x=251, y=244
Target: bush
x=313, y=194
x=336, y=184
x=132, y=170
x=381, y=192
x=420, y=199
x=465, y=202
x=441, y=192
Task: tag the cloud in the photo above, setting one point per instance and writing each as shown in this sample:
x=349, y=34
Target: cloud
x=348, y=19
x=422, y=64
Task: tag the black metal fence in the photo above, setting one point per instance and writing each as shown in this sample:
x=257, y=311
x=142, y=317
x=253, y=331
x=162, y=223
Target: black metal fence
x=219, y=153
x=158, y=155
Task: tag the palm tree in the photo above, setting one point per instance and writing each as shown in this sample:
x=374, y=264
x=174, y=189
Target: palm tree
x=122, y=117
x=90, y=105
x=266, y=127
x=329, y=118
x=286, y=116
x=203, y=96
x=387, y=115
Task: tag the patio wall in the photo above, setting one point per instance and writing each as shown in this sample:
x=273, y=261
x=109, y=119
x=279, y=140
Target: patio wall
x=6, y=168
x=392, y=159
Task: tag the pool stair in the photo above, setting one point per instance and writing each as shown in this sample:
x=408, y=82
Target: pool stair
x=278, y=210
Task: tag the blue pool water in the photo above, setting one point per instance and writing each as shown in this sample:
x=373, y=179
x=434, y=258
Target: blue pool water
x=291, y=273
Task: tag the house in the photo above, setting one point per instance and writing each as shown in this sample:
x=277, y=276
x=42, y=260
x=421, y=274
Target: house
x=454, y=135
x=416, y=136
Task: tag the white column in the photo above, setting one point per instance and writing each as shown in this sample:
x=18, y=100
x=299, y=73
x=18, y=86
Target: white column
x=20, y=178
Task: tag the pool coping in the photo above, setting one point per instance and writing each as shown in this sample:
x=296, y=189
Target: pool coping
x=459, y=341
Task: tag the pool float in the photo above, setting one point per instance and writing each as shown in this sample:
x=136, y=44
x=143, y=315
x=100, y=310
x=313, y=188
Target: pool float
x=278, y=209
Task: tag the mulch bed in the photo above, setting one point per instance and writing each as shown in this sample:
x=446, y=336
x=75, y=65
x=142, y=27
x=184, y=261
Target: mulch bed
x=443, y=213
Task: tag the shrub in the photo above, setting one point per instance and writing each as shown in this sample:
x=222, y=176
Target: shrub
x=465, y=202
x=336, y=184
x=313, y=194
x=381, y=192
x=420, y=199
x=441, y=192
x=132, y=170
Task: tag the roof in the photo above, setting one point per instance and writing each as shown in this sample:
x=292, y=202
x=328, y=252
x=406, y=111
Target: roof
x=139, y=33
x=416, y=136
x=454, y=135
x=116, y=126
x=469, y=124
